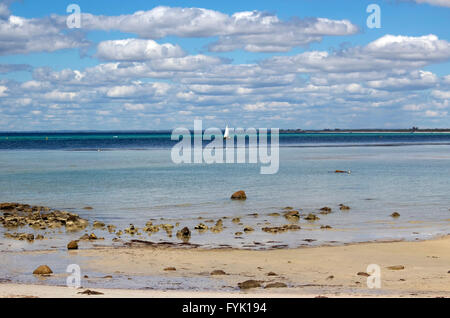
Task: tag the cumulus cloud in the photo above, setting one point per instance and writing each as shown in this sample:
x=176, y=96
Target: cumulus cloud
x=254, y=31
x=386, y=53
x=137, y=50
x=410, y=48
x=21, y=36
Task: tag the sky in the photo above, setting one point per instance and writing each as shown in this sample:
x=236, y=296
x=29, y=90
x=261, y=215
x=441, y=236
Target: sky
x=149, y=65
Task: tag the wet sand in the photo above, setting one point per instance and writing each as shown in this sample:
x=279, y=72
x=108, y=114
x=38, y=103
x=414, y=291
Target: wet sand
x=307, y=272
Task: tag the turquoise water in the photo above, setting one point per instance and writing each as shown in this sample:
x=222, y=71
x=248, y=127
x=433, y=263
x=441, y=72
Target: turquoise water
x=133, y=186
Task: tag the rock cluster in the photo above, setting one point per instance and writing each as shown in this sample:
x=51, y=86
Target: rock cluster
x=39, y=217
x=281, y=229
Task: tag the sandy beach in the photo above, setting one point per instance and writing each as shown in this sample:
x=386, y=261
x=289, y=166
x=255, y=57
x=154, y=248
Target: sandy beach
x=408, y=269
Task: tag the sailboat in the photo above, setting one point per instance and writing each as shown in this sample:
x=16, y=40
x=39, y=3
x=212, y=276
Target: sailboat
x=226, y=135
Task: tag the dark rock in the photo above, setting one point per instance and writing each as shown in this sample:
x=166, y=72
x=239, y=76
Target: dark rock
x=239, y=195
x=218, y=272
x=90, y=292
x=272, y=274
x=325, y=210
x=201, y=227
x=72, y=245
x=184, y=234
x=395, y=215
x=170, y=269
x=249, y=284
x=343, y=207
x=312, y=217
x=248, y=229
x=363, y=274
x=292, y=216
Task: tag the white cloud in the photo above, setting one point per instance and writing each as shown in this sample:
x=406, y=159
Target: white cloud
x=60, y=96
x=440, y=94
x=414, y=80
x=251, y=30
x=398, y=47
x=137, y=50
x=433, y=113
x=439, y=3
x=3, y=90
x=21, y=36
x=386, y=53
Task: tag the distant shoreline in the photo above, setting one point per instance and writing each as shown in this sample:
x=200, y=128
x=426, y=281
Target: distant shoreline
x=282, y=131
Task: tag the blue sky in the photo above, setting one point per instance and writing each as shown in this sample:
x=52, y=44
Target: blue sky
x=161, y=64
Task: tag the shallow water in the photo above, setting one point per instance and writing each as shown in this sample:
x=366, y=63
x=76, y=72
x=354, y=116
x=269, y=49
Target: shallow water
x=134, y=186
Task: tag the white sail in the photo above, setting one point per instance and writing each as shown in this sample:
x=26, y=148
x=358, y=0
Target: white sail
x=227, y=133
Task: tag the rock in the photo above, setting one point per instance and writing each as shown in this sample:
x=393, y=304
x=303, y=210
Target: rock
x=396, y=267
x=170, y=269
x=90, y=292
x=72, y=245
x=184, y=234
x=249, y=284
x=238, y=233
x=326, y=227
x=201, y=227
x=292, y=216
x=276, y=285
x=236, y=220
x=239, y=195
x=325, y=210
x=312, y=217
x=151, y=228
x=248, y=229
x=363, y=274
x=43, y=270
x=88, y=208
x=341, y=171
x=218, y=272
x=272, y=274
x=111, y=228
x=274, y=214
x=132, y=230
x=343, y=207
x=288, y=208
x=395, y=215
x=98, y=225
x=93, y=237
x=281, y=229
x=167, y=227
x=330, y=277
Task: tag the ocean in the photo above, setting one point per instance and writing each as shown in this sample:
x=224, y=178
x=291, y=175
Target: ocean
x=129, y=178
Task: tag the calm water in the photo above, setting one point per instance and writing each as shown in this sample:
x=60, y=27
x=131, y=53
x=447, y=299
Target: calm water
x=136, y=181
